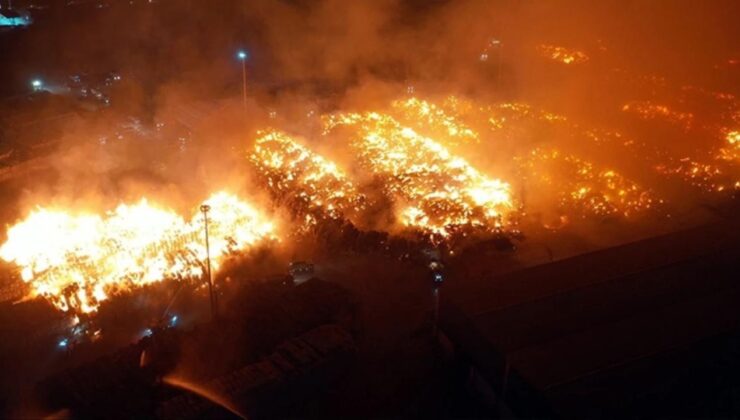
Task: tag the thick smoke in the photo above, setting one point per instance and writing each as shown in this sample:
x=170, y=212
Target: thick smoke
x=311, y=57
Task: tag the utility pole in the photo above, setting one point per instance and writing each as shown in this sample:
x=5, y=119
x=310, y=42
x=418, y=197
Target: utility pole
x=243, y=56
x=244, y=84
x=435, y=327
x=205, y=208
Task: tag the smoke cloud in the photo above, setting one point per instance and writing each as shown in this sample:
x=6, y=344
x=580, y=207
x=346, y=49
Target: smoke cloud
x=182, y=82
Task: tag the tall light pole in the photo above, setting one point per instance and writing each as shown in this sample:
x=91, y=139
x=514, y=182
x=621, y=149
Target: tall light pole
x=243, y=56
x=499, y=47
x=205, y=208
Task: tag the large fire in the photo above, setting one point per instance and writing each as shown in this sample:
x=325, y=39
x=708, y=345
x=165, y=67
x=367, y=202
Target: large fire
x=434, y=190
x=77, y=261
x=302, y=179
x=411, y=159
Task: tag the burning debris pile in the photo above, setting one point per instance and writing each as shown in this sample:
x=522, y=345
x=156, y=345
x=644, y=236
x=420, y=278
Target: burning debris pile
x=705, y=175
x=711, y=168
x=731, y=151
x=434, y=190
x=77, y=261
x=303, y=180
x=420, y=161
x=578, y=187
x=646, y=110
x=562, y=55
x=584, y=190
x=431, y=190
x=426, y=116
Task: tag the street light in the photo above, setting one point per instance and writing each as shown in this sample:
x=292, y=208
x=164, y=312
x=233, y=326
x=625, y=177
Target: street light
x=205, y=208
x=243, y=56
x=37, y=84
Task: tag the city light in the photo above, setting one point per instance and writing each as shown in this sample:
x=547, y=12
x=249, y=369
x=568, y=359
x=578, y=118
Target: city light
x=37, y=84
x=242, y=55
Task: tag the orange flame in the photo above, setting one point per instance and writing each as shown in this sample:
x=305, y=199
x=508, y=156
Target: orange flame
x=77, y=260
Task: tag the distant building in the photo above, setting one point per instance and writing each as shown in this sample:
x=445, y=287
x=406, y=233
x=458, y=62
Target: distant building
x=14, y=18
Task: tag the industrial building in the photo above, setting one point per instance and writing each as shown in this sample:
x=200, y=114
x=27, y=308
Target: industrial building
x=651, y=327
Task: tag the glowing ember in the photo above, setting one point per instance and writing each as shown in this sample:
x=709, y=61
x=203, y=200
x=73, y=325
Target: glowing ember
x=78, y=260
x=434, y=191
x=731, y=151
x=706, y=176
x=497, y=116
x=306, y=180
x=720, y=96
x=582, y=188
x=562, y=55
x=647, y=110
x=423, y=115
x=712, y=174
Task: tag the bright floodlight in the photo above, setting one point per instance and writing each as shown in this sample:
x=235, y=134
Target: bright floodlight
x=36, y=83
x=242, y=55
